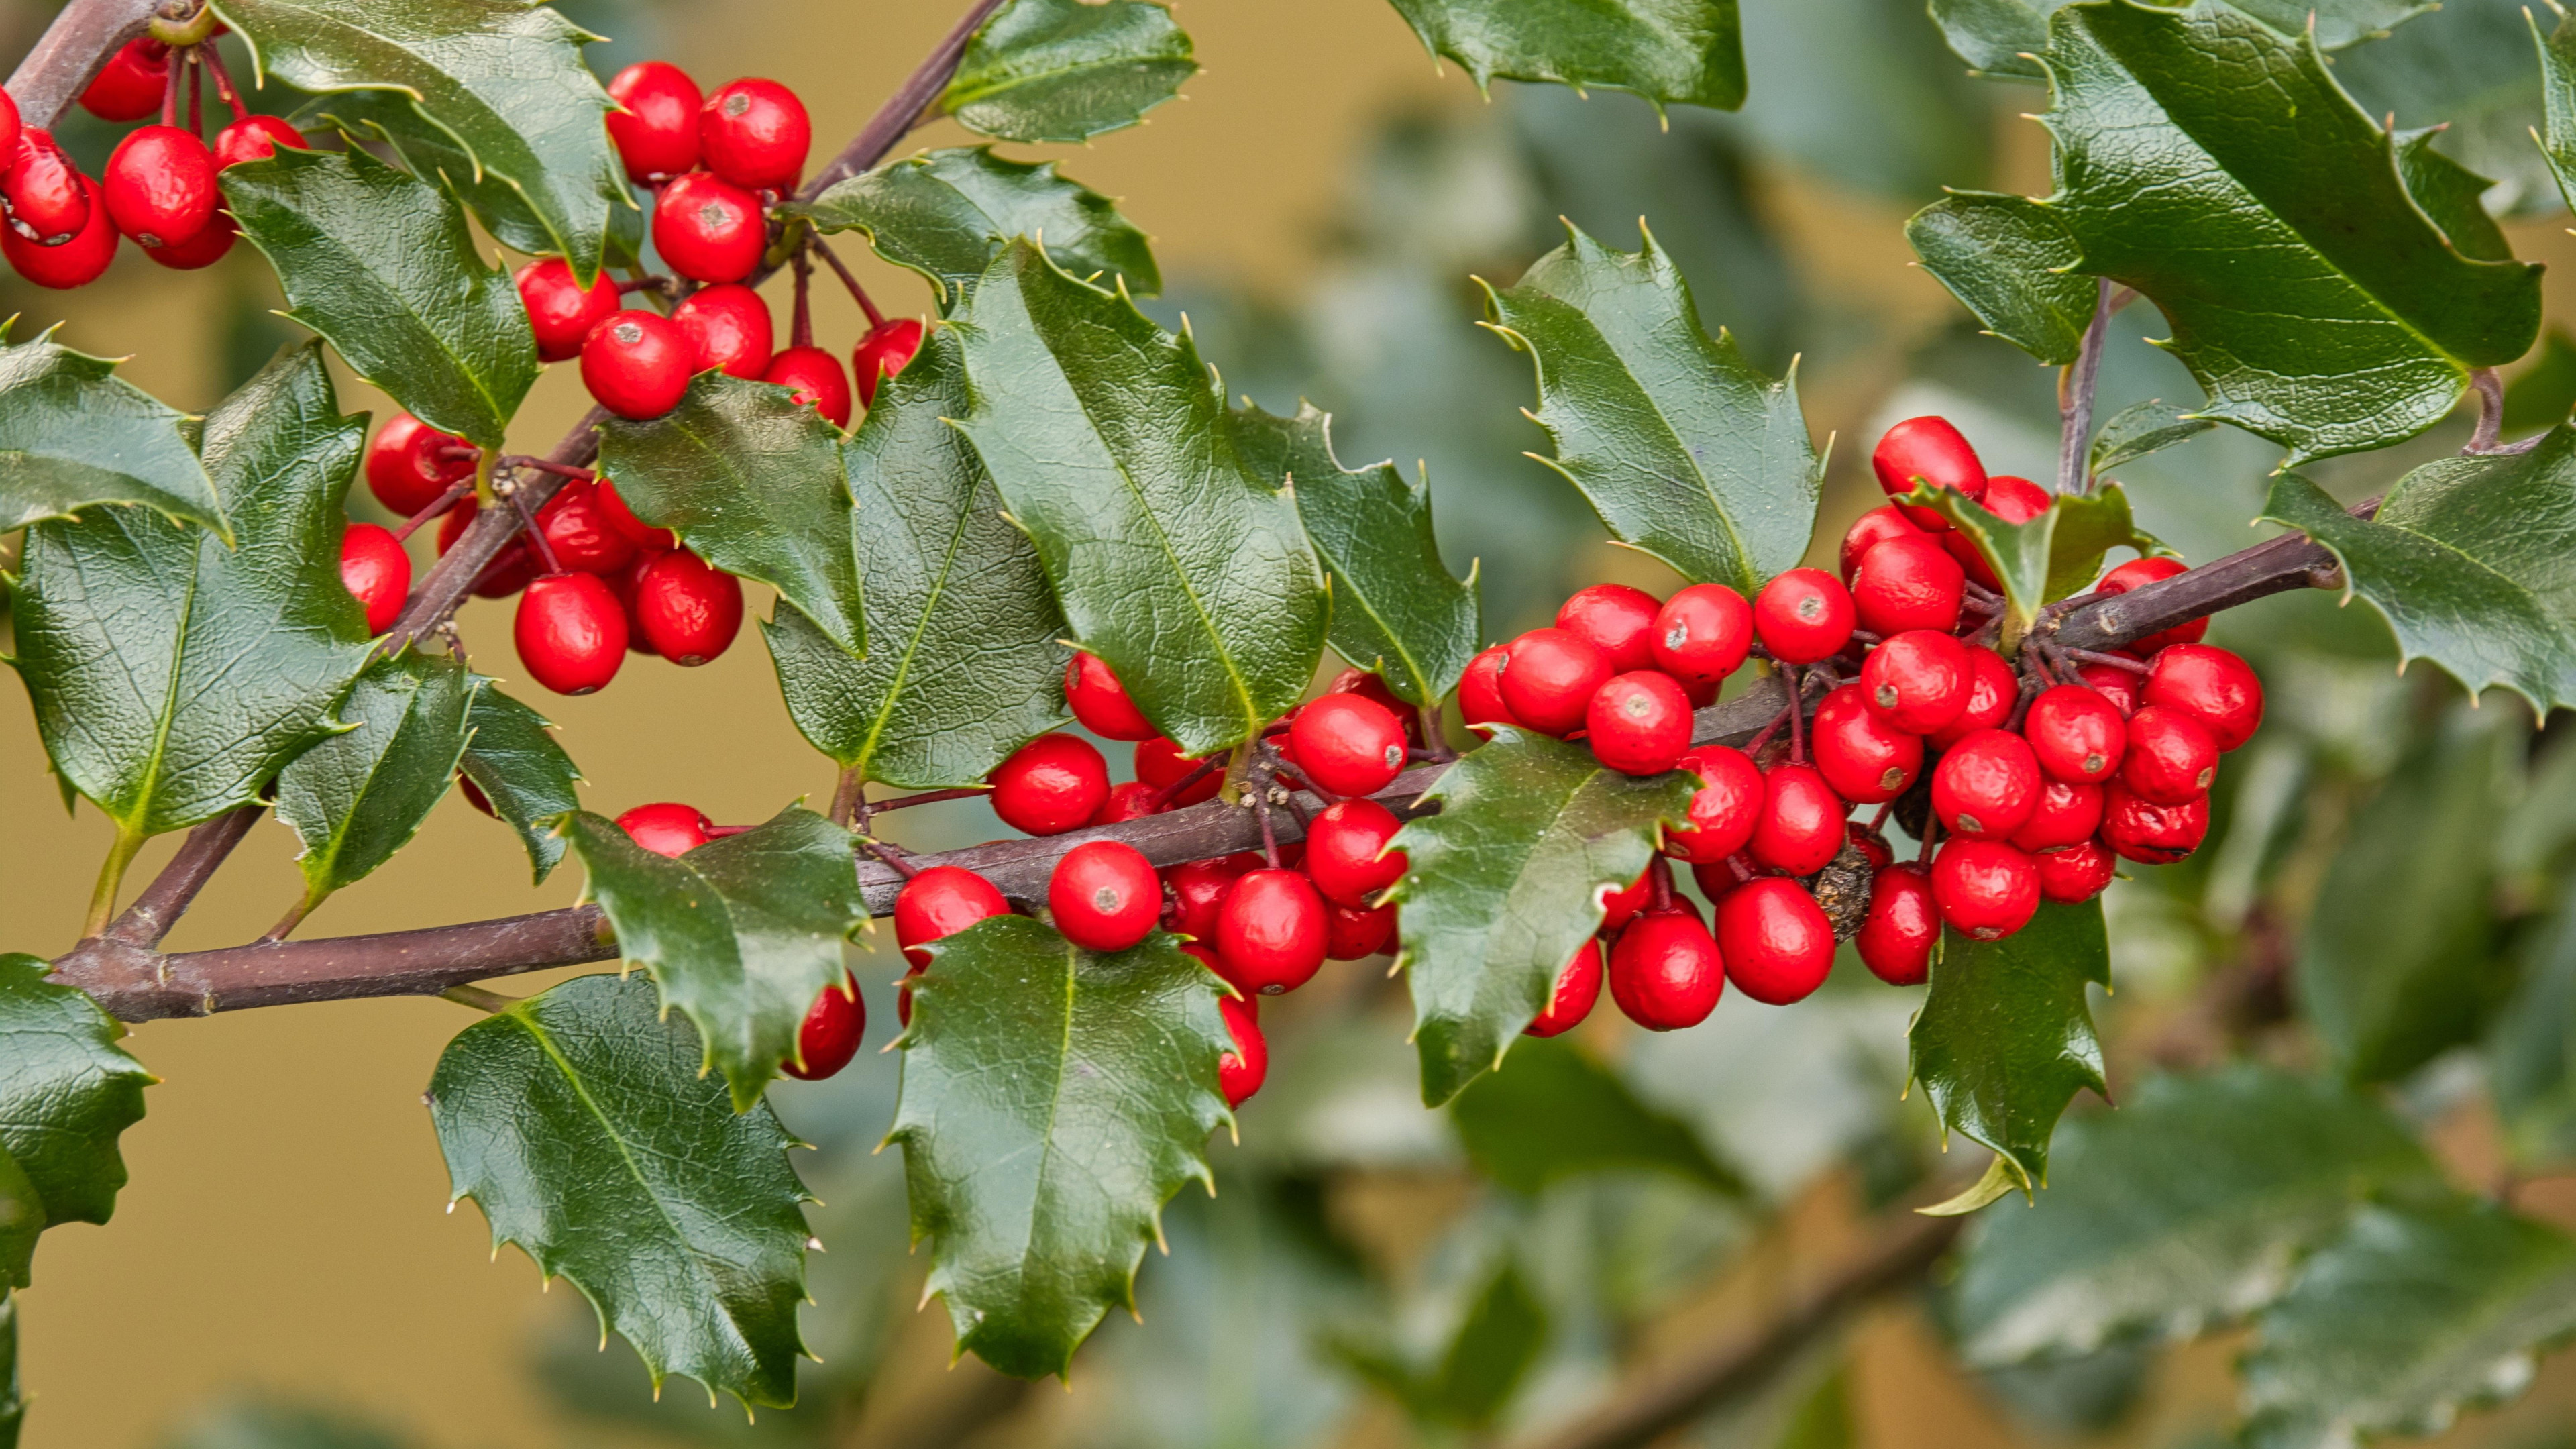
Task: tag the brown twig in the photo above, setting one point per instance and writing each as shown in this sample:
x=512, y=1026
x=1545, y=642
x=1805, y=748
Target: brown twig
x=160, y=905
x=68, y=56
x=858, y=293
x=2075, y=386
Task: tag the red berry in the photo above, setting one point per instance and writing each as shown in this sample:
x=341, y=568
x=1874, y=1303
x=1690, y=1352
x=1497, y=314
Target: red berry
x=474, y=795
x=2075, y=873
x=2211, y=685
x=643, y=535
x=813, y=377
x=622, y=584
x=10, y=125
x=1984, y=888
x=408, y=466
x=1131, y=800
x=1050, y=785
x=1905, y=583
x=1239, y=1072
x=571, y=633
x=1639, y=724
x=1918, y=681
x=76, y=261
x=1160, y=763
x=728, y=329
x=1903, y=925
x=1801, y=828
x=636, y=364
x=2172, y=760
x=1872, y=846
x=1665, y=971
x=160, y=185
x=1101, y=702
x=2064, y=815
x=48, y=200
x=1578, y=987
x=1723, y=811
x=1356, y=935
x=2076, y=735
x=1992, y=688
x=256, y=138
x=883, y=352
x=1619, y=620
x=2016, y=500
x=1270, y=932
x=1866, y=760
x=130, y=86
x=1348, y=743
x=1929, y=449
x=939, y=903
x=207, y=247
x=559, y=310
x=1702, y=634
x=1803, y=615
x=1198, y=891
x=1550, y=677
x=1620, y=904
x=667, y=828
x=657, y=132
x=1103, y=894
x=578, y=532
x=1869, y=531
x=754, y=133
x=1986, y=786
x=708, y=229
x=689, y=609
x=1718, y=877
x=2116, y=685
x=833, y=1027
x=1346, y=854
x=2147, y=571
x=1963, y=550
x=1776, y=942
x=377, y=572
x=1480, y=689
x=2148, y=833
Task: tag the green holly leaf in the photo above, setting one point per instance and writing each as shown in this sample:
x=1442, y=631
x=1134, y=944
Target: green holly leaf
x=1053, y=1101
x=501, y=83
x=1496, y=1342
x=751, y=480
x=1685, y=51
x=2407, y=1317
x=741, y=933
x=966, y=666
x=2452, y=195
x=579, y=1121
x=1110, y=444
x=1068, y=70
x=2049, y=557
x=67, y=1090
x=2005, y=1037
x=2558, y=101
x=1686, y=449
x=948, y=214
x=2543, y=394
x=2129, y=1243
x=513, y=759
x=2463, y=563
x=1505, y=882
x=74, y=434
x=1553, y=1112
x=2143, y=428
x=382, y=264
x=1396, y=607
x=2010, y=261
x=2008, y=39
x=173, y=676
x=356, y=798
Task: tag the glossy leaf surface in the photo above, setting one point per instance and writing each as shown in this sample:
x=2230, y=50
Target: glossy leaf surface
x=1687, y=51
x=514, y=760
x=2005, y=1038
x=2143, y=428
x=1068, y=70
x=2007, y=38
x=356, y=798
x=67, y=1090
x=946, y=214
x=73, y=434
x=2010, y=261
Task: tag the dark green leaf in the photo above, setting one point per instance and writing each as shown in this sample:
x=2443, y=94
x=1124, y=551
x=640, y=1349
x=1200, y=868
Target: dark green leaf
x=2543, y=394
x=751, y=480
x=741, y=933
x=2184, y=1210
x=2148, y=427
x=1491, y=1352
x=381, y=263
x=1553, y=1112
x=2009, y=260
x=2469, y=69
x=73, y=433
x=1110, y=444
x=1068, y=70
x=66, y=1091
x=2558, y=101
x=1053, y=1101
x=1686, y=51
x=356, y=798
x=22, y=1222
x=2531, y=1048
x=2007, y=38
x=2005, y=1037
x=1686, y=450
x=1505, y=882
x=966, y=665
x=173, y=676
x=514, y=760
x=579, y=1121
x=1396, y=607
x=2450, y=194
x=947, y=214
x=2052, y=555
x=499, y=82
x=2404, y=1319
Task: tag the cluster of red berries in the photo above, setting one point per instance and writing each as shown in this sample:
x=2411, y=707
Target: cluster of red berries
x=159, y=187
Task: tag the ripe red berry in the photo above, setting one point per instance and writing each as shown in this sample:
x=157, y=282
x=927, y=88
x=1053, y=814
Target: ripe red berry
x=1801, y=827
x=1130, y=800
x=1909, y=582
x=1639, y=723
x=48, y=200
x=579, y=534
x=1355, y=935
x=1918, y=681
x=1803, y=615
x=2075, y=734
x=1198, y=891
x=1984, y=888
x=1867, y=760
x=76, y=261
x=207, y=247
x=754, y=133
x=830, y=1035
x=1776, y=942
x=256, y=138
x=667, y=827
x=2116, y=685
x=728, y=329
x=1103, y=894
x=1872, y=846
x=571, y=633
x=1346, y=854
x=2016, y=500
x=2064, y=815
x=1870, y=530
x=1091, y=687
x=1992, y=689
x=1240, y=1072
x=2147, y=571
x=1620, y=904
x=1480, y=689
x=1619, y=620
x=1986, y=786
x=1723, y=811
x=1578, y=987
x=1050, y=785
x=1160, y=763
x=560, y=311
x=1701, y=634
x=2148, y=833
x=129, y=87
x=160, y=185
x=1549, y=679
x=1348, y=743
x=2211, y=685
x=377, y=571
x=2172, y=760
x=813, y=377
x=636, y=364
x=708, y=229
x=1270, y=932
x=2075, y=873
x=11, y=126
x=1930, y=449
x=883, y=352
x=408, y=466
x=656, y=133
x=1665, y=971
x=1903, y=925
x=939, y=903
x=643, y=535
x=689, y=609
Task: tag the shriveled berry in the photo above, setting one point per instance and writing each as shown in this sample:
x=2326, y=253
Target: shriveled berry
x=1801, y=827
x=1702, y=634
x=708, y=229
x=2064, y=815
x=754, y=133
x=579, y=534
x=1619, y=621
x=1270, y=932
x=1550, y=677
x=2075, y=734
x=656, y=132
x=1865, y=759
x=1198, y=890
x=256, y=138
x=830, y=1034
x=1665, y=971
x=2139, y=829
x=689, y=609
x=1103, y=895
x=377, y=571
x=1578, y=987
x=1986, y=786
x=728, y=329
x=814, y=378
x=160, y=185
x=2211, y=685
x=1776, y=942
x=48, y=199
x=2075, y=873
x=1639, y=723
x=1929, y=449
x=1984, y=888
x=1480, y=689
x=1909, y=582
x=1100, y=702
x=1354, y=934
x=667, y=827
x=1903, y=925
x=1346, y=854
x=882, y=353
x=1803, y=615
x=1917, y=681
x=2118, y=686
x=1870, y=530
x=636, y=364
x=1241, y=1071
x=1050, y=785
x=129, y=87
x=408, y=465
x=1348, y=743
x=2147, y=571
x=1724, y=810
x=79, y=258
x=1992, y=689
x=570, y=632
x=1161, y=764
x=937, y=904
x=560, y=310
x=2172, y=760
